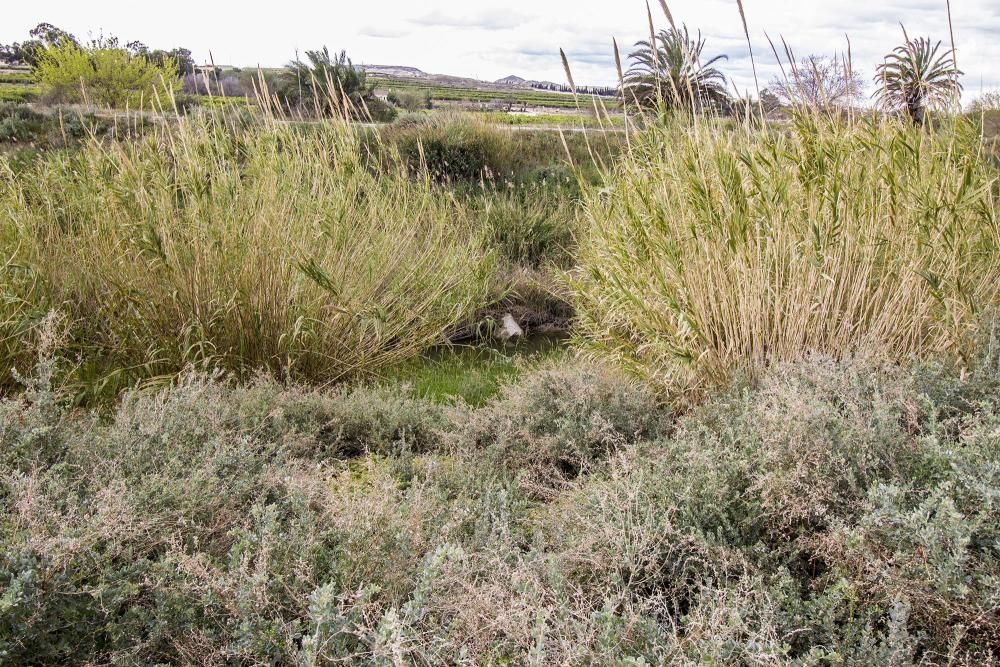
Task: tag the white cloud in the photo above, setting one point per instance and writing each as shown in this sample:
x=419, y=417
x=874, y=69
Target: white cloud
x=483, y=20
x=381, y=32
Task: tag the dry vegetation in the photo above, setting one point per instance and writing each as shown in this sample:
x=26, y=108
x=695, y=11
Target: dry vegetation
x=716, y=250
x=835, y=513
x=249, y=247
x=821, y=291
x=780, y=448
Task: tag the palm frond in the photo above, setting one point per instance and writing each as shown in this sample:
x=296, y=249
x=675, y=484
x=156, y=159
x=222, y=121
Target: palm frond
x=668, y=67
x=915, y=78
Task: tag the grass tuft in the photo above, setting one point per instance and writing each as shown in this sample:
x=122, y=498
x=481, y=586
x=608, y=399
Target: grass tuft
x=238, y=245
x=711, y=251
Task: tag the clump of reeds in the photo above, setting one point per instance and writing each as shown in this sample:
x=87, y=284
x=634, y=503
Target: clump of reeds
x=257, y=244
x=712, y=250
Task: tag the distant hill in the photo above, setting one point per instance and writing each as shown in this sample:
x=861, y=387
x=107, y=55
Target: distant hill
x=404, y=72
x=396, y=70
x=512, y=82
x=515, y=81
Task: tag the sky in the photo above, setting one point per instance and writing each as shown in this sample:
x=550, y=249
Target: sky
x=490, y=40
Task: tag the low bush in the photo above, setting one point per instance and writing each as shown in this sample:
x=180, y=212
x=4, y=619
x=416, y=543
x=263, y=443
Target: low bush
x=560, y=423
x=59, y=127
x=455, y=149
x=19, y=122
x=462, y=149
x=712, y=251
x=986, y=102
x=349, y=422
x=834, y=513
x=410, y=100
x=378, y=111
x=198, y=534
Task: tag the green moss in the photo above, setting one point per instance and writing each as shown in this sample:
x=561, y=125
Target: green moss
x=473, y=373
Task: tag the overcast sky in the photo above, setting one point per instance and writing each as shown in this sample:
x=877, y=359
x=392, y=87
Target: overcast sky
x=489, y=40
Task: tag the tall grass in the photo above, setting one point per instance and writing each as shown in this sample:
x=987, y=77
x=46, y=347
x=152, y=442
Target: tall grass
x=245, y=245
x=527, y=226
x=714, y=250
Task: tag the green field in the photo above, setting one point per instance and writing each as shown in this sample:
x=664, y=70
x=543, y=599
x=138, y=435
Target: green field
x=16, y=77
x=18, y=93
x=530, y=98
x=18, y=86
x=565, y=120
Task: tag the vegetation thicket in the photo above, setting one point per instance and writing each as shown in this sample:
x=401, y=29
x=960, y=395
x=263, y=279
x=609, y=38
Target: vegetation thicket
x=833, y=513
x=329, y=85
x=411, y=100
x=258, y=246
x=713, y=250
x=249, y=414
x=106, y=75
x=986, y=103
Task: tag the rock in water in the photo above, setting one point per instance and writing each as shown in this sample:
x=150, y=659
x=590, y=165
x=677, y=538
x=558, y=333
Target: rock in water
x=509, y=328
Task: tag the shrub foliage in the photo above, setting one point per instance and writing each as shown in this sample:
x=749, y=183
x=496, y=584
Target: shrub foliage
x=106, y=75
x=834, y=514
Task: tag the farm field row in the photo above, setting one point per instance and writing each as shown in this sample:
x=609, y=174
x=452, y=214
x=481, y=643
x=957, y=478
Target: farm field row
x=537, y=98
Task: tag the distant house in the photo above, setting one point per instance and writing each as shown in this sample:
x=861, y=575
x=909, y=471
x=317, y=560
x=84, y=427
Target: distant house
x=208, y=67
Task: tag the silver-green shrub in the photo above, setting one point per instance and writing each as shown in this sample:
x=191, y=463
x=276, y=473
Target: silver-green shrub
x=831, y=513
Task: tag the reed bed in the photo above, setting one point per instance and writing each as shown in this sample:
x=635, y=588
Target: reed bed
x=713, y=249
x=237, y=243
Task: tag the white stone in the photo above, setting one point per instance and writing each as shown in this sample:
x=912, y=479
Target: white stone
x=510, y=328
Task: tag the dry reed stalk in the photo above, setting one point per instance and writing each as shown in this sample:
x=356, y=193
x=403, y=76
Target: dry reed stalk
x=710, y=255
x=262, y=247
x=954, y=56
x=666, y=12
x=746, y=32
x=621, y=88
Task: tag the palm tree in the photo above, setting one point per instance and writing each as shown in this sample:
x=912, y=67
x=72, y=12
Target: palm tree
x=914, y=79
x=673, y=72
x=325, y=83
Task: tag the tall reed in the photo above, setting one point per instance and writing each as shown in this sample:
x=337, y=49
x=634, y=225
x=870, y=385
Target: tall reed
x=238, y=244
x=711, y=251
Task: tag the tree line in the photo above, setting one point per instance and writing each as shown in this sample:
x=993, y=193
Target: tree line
x=46, y=36
x=669, y=71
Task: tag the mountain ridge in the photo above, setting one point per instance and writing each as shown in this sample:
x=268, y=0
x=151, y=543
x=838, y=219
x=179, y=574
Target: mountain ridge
x=511, y=81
